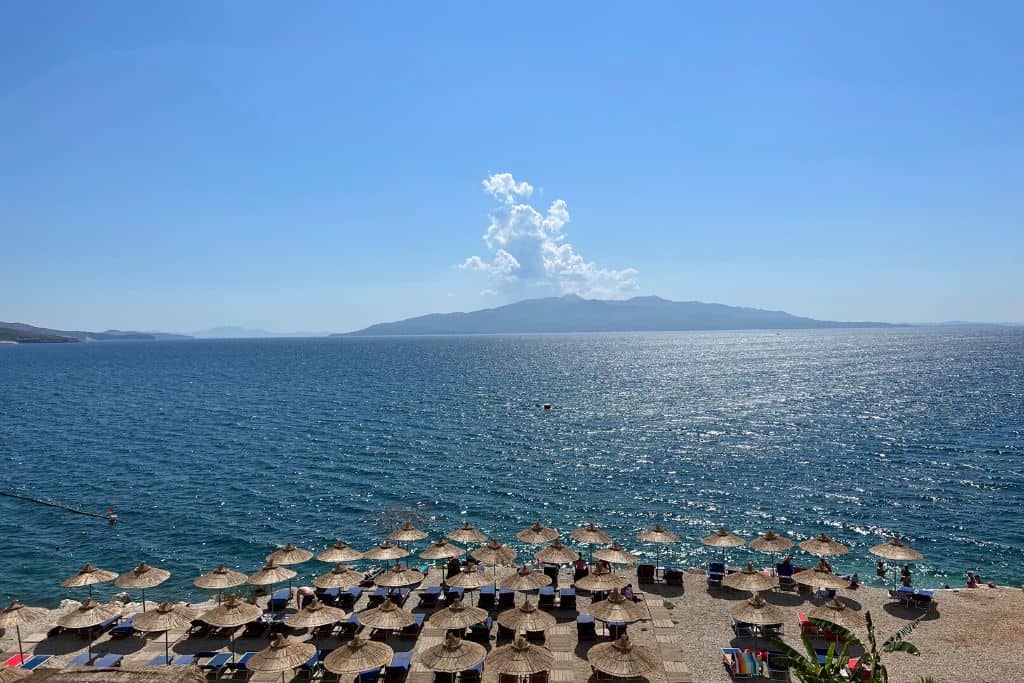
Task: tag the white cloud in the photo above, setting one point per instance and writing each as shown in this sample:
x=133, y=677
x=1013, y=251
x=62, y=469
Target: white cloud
x=529, y=252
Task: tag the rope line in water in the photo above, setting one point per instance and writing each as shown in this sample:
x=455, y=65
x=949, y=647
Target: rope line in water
x=53, y=505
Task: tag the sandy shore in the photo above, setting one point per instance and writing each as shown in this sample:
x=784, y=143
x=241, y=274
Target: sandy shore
x=970, y=637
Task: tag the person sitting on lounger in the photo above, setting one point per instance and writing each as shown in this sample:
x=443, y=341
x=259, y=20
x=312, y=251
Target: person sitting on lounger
x=627, y=592
x=881, y=570
x=906, y=578
x=581, y=569
x=824, y=565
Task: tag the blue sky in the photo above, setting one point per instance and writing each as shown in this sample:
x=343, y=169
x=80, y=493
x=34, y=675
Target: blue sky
x=321, y=166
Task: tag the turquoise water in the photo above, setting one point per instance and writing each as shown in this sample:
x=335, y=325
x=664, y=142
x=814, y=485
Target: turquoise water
x=219, y=450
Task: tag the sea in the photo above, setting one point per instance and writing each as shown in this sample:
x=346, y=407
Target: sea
x=220, y=451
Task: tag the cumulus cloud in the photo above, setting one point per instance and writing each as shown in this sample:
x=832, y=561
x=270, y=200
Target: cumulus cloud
x=528, y=251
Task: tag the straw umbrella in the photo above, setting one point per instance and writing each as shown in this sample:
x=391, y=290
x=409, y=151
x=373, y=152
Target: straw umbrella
x=232, y=613
x=457, y=615
x=470, y=579
x=823, y=546
x=340, y=576
x=525, y=579
x=615, y=554
x=723, y=539
x=757, y=610
x=89, y=576
x=590, y=535
x=537, y=534
x=314, y=615
x=290, y=554
x=467, y=533
x=494, y=553
x=820, y=578
x=556, y=553
x=388, y=616
x=164, y=617
x=453, y=655
x=895, y=550
x=272, y=573
x=142, y=577
x=17, y=615
x=622, y=658
x=658, y=534
x=407, y=533
x=749, y=579
x=617, y=608
x=771, y=542
x=89, y=614
x=839, y=613
x=601, y=580
x=385, y=551
x=519, y=658
x=283, y=654
x=220, y=578
x=526, y=617
x=399, y=577
x=340, y=552
x=442, y=550
x=358, y=655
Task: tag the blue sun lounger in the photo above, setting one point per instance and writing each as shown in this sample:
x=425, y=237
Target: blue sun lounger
x=217, y=663
x=84, y=659
x=108, y=661
x=240, y=664
x=398, y=670
x=125, y=628
x=280, y=600
x=36, y=662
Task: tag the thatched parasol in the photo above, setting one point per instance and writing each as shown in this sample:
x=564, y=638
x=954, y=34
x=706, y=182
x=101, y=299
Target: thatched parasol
x=749, y=579
x=17, y=615
x=398, y=577
x=89, y=576
x=340, y=576
x=771, y=542
x=556, y=553
x=615, y=554
x=757, y=610
x=525, y=579
x=142, y=577
x=617, y=608
x=454, y=654
x=289, y=554
x=622, y=658
x=385, y=551
x=441, y=550
x=519, y=658
x=495, y=552
x=232, y=613
x=601, y=580
x=657, y=534
x=271, y=573
x=823, y=546
x=314, y=615
x=164, y=617
x=590, y=535
x=407, y=533
x=220, y=578
x=820, y=578
x=283, y=654
x=89, y=614
x=388, y=616
x=839, y=613
x=457, y=615
x=893, y=549
x=470, y=579
x=467, y=533
x=537, y=534
x=526, y=617
x=340, y=552
x=723, y=539
x=358, y=655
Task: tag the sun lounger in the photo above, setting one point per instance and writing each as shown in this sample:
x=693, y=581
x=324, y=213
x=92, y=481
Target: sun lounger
x=429, y=596
x=240, y=663
x=552, y=571
x=472, y=675
x=125, y=628
x=16, y=660
x=369, y=576
x=413, y=629
x=567, y=598
x=369, y=676
x=773, y=630
x=807, y=627
x=347, y=599
x=777, y=665
x=185, y=660
x=586, y=628
x=741, y=663
x=536, y=637
x=161, y=660
x=481, y=633
x=37, y=661
x=350, y=625
x=217, y=663
x=716, y=571
x=108, y=661
x=377, y=597
x=279, y=600
x=487, y=598
x=546, y=597
x=328, y=596
x=673, y=577
x=398, y=670
x=506, y=598
x=83, y=659
x=784, y=572
x=616, y=629
x=742, y=629
x=645, y=573
x=454, y=593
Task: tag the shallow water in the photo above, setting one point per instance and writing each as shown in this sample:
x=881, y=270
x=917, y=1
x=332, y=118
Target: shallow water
x=219, y=450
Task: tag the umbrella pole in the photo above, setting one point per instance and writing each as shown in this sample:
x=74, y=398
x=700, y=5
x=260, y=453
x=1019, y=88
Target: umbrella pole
x=21, y=651
x=167, y=647
x=143, y=599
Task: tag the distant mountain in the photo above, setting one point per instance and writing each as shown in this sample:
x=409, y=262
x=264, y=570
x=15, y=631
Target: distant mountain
x=41, y=333
x=234, y=332
x=9, y=335
x=572, y=313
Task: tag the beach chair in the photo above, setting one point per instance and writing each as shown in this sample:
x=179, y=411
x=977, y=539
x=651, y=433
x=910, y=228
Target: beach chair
x=567, y=598
x=740, y=663
x=807, y=627
x=125, y=628
x=198, y=629
x=108, y=661
x=413, y=629
x=645, y=573
x=472, y=675
x=16, y=660
x=673, y=577
x=347, y=599
x=506, y=598
x=37, y=661
x=185, y=660
x=777, y=665
x=349, y=626
x=161, y=660
x=716, y=571
x=784, y=572
x=328, y=596
x=279, y=600
x=742, y=629
x=377, y=597
x=481, y=633
x=369, y=676
x=552, y=571
x=773, y=630
x=83, y=659
x=546, y=597
x=454, y=593
x=240, y=664
x=616, y=629
x=923, y=599
x=217, y=663
x=487, y=598
x=398, y=670
x=586, y=628
x=430, y=596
